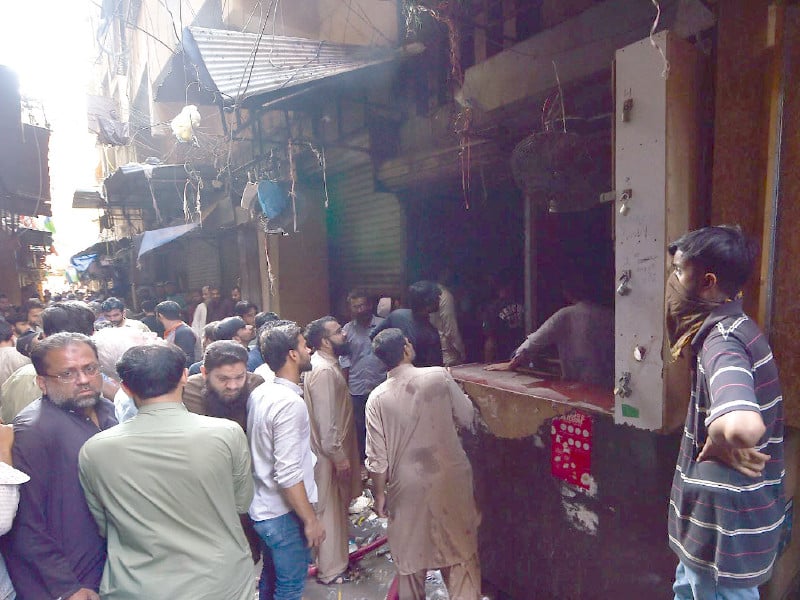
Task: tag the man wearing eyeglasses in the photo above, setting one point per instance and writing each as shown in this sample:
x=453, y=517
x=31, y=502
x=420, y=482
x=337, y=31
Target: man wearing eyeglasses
x=54, y=549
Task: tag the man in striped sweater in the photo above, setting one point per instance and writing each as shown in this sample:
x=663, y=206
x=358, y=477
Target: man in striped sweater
x=727, y=503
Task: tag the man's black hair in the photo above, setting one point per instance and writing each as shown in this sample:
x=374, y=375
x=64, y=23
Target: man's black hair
x=112, y=303
x=209, y=331
x=228, y=327
x=6, y=331
x=265, y=317
x=169, y=310
x=275, y=340
x=151, y=371
x=422, y=294
x=57, y=341
x=147, y=306
x=243, y=307
x=315, y=331
x=32, y=303
x=389, y=346
x=223, y=352
x=26, y=341
x=18, y=316
x=722, y=250
x=360, y=293
x=71, y=315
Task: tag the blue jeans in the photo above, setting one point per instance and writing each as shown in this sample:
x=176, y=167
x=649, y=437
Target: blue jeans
x=286, y=558
x=692, y=584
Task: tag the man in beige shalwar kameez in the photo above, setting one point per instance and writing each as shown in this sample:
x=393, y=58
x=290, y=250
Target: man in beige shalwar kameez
x=420, y=470
x=333, y=440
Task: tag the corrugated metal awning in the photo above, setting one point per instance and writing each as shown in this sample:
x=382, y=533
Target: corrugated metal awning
x=235, y=65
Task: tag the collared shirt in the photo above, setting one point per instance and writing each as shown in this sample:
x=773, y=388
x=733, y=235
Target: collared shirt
x=721, y=521
x=124, y=406
x=280, y=442
x=265, y=372
x=254, y=358
x=167, y=488
x=54, y=547
x=366, y=369
x=196, y=400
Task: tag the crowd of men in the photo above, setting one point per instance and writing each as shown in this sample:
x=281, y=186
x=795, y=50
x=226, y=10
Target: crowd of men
x=142, y=469
x=254, y=452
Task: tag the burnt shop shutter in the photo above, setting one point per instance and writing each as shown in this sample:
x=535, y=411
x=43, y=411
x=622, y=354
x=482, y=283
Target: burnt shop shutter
x=202, y=264
x=366, y=236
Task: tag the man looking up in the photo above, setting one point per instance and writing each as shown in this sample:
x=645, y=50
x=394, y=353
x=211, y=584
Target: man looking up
x=333, y=441
x=175, y=330
x=234, y=328
x=283, y=465
x=114, y=312
x=727, y=502
x=54, y=549
x=171, y=514
x=363, y=370
x=416, y=461
x=247, y=311
x=414, y=322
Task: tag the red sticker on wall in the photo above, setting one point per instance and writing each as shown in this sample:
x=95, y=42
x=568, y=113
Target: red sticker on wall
x=571, y=448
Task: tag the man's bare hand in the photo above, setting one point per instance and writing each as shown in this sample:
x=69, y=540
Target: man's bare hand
x=315, y=532
x=342, y=468
x=84, y=594
x=748, y=461
x=504, y=366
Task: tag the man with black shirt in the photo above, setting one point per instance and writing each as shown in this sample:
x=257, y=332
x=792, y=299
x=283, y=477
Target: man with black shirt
x=414, y=322
x=175, y=330
x=54, y=549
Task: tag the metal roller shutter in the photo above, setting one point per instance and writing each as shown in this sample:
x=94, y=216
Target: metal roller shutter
x=366, y=236
x=203, y=267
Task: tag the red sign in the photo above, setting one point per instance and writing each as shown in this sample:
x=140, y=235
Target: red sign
x=571, y=448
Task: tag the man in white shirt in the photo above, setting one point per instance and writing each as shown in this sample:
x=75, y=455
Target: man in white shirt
x=279, y=431
x=114, y=312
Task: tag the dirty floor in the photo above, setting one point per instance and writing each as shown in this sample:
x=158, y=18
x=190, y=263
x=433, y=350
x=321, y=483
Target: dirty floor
x=375, y=570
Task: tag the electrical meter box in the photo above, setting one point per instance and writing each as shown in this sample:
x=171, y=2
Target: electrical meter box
x=657, y=158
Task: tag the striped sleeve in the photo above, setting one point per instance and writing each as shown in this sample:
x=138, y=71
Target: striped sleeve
x=730, y=376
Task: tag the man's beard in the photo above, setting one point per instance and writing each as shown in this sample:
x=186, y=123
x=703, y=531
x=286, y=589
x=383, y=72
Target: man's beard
x=342, y=349
x=305, y=367
x=221, y=405
x=75, y=403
